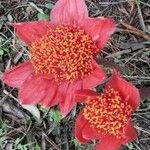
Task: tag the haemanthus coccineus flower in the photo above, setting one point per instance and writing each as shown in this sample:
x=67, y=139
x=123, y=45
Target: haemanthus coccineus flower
x=107, y=116
x=62, y=55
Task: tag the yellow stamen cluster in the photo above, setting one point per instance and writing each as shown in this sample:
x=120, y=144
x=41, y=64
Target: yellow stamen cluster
x=108, y=113
x=65, y=52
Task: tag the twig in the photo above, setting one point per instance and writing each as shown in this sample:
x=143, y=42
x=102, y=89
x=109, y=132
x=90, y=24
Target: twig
x=5, y=97
x=15, y=131
x=119, y=53
x=43, y=142
x=140, y=16
x=141, y=129
x=146, y=109
x=136, y=33
x=113, y=3
x=137, y=146
x=137, y=77
x=51, y=142
x=10, y=95
x=145, y=3
x=143, y=118
x=66, y=139
x=38, y=9
x=134, y=30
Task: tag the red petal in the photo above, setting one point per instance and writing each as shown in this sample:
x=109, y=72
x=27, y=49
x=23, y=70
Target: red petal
x=69, y=12
x=90, y=133
x=18, y=74
x=68, y=102
x=50, y=98
x=33, y=90
x=80, y=95
x=62, y=90
x=130, y=133
x=100, y=29
x=94, y=78
x=79, y=126
x=30, y=31
x=108, y=143
x=127, y=90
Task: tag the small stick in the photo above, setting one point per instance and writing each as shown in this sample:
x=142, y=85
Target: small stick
x=140, y=16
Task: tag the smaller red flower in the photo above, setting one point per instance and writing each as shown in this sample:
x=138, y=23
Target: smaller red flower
x=107, y=116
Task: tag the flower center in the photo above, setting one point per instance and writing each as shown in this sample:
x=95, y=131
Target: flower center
x=65, y=52
x=108, y=113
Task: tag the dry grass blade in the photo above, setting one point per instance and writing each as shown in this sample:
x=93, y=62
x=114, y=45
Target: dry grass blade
x=131, y=29
x=51, y=142
x=140, y=16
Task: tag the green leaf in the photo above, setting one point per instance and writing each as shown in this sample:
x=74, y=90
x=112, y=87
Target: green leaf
x=3, y=128
x=77, y=144
x=43, y=110
x=1, y=50
x=130, y=146
x=37, y=147
x=57, y=116
x=42, y=16
x=17, y=141
x=49, y=5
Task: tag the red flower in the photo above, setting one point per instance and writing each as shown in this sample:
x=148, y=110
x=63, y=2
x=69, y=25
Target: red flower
x=107, y=116
x=62, y=55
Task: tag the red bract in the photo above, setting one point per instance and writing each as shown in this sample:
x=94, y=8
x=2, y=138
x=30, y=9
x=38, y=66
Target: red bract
x=62, y=55
x=107, y=116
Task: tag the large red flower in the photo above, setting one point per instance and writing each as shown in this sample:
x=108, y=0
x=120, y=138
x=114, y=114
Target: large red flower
x=62, y=55
x=107, y=116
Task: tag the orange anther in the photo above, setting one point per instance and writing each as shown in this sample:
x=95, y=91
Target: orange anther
x=66, y=52
x=108, y=113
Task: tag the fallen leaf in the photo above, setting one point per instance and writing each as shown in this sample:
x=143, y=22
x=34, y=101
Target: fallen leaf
x=33, y=110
